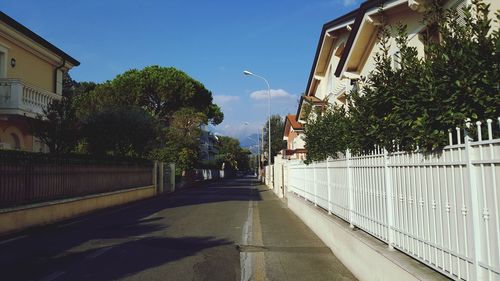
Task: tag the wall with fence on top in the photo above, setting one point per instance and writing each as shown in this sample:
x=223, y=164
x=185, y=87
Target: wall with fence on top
x=27, y=178
x=441, y=209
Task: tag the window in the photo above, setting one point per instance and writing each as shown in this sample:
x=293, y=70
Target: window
x=3, y=62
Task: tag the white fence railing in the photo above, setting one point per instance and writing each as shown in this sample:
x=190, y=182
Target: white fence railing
x=440, y=209
x=18, y=97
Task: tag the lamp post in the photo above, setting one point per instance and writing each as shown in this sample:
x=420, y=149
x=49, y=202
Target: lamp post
x=246, y=72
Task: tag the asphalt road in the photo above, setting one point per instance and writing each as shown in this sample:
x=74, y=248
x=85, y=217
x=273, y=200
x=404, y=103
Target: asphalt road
x=229, y=230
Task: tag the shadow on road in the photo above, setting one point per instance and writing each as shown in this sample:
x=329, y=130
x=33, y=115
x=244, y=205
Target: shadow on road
x=128, y=234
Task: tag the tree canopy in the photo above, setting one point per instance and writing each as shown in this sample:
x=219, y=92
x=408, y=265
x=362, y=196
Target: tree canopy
x=159, y=90
x=155, y=112
x=277, y=142
x=231, y=153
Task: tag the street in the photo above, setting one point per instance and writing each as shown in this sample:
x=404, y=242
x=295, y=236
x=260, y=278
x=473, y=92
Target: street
x=226, y=230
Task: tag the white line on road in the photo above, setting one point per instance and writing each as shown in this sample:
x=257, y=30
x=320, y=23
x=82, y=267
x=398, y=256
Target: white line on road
x=246, y=259
x=13, y=239
x=53, y=276
x=99, y=252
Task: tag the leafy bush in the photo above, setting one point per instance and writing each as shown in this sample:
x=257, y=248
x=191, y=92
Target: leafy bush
x=414, y=105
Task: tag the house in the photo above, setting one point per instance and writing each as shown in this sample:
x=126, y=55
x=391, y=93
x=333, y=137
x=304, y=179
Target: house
x=208, y=145
x=347, y=47
x=293, y=134
x=323, y=86
x=31, y=74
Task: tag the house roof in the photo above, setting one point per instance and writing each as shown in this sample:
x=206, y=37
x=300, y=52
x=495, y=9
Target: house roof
x=293, y=122
x=360, y=12
x=356, y=15
x=312, y=99
x=37, y=38
x=340, y=20
x=315, y=100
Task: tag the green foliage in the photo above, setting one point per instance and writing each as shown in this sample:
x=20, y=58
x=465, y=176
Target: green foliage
x=414, y=103
x=232, y=155
x=119, y=131
x=328, y=135
x=160, y=90
x=154, y=112
x=181, y=139
x=57, y=127
x=277, y=142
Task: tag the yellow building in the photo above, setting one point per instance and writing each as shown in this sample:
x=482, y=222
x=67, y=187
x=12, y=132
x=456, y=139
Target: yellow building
x=31, y=72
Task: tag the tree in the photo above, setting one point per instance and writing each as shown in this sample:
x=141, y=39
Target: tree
x=160, y=90
x=328, y=135
x=123, y=131
x=413, y=106
x=57, y=127
x=182, y=139
x=232, y=155
x=277, y=142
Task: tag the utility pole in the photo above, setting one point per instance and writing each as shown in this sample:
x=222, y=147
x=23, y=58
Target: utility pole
x=262, y=150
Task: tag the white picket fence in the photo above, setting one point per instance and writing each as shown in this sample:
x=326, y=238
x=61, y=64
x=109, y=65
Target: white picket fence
x=440, y=209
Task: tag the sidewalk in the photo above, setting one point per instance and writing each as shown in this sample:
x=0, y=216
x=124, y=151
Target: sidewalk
x=286, y=248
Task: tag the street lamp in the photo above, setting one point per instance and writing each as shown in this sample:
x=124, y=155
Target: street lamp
x=246, y=72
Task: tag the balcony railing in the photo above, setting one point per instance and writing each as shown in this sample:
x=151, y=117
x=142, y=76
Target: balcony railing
x=20, y=98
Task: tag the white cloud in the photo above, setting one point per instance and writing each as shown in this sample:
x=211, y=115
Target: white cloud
x=224, y=99
x=239, y=130
x=347, y=3
x=275, y=94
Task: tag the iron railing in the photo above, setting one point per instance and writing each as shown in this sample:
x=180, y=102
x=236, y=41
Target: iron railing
x=443, y=210
x=27, y=178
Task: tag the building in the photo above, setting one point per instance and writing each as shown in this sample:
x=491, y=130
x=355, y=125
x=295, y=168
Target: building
x=31, y=73
x=347, y=47
x=293, y=134
x=208, y=145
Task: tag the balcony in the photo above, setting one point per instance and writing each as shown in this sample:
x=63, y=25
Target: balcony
x=20, y=98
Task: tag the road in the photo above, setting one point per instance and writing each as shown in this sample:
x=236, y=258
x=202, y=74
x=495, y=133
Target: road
x=228, y=230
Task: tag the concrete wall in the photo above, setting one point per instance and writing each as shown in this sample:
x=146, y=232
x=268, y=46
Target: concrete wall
x=19, y=218
x=367, y=257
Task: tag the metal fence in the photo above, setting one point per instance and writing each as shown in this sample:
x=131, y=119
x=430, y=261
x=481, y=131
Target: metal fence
x=440, y=209
x=27, y=178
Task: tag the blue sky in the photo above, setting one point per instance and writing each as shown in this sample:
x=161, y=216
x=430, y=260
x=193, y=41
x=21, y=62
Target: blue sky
x=212, y=41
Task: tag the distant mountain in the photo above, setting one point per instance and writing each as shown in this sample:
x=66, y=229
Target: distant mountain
x=251, y=142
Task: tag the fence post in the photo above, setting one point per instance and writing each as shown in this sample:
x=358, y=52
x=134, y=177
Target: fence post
x=475, y=212
x=160, y=175
x=328, y=187
x=283, y=179
x=155, y=174
x=389, y=202
x=305, y=192
x=172, y=177
x=315, y=184
x=350, y=188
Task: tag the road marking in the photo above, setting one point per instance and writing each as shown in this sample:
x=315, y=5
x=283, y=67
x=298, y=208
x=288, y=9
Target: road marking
x=260, y=269
x=71, y=223
x=99, y=252
x=13, y=239
x=252, y=263
x=246, y=262
x=53, y=276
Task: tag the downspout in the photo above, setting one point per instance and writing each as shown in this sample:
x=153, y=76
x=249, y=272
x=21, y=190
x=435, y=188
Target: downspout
x=55, y=75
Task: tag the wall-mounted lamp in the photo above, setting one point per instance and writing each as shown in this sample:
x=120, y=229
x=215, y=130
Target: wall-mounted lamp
x=13, y=62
